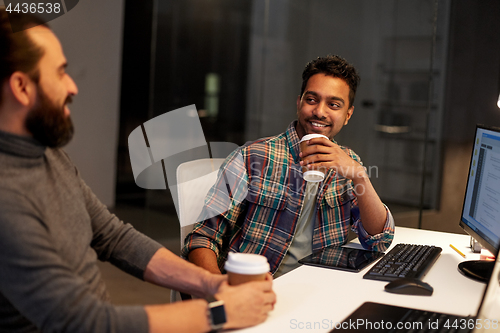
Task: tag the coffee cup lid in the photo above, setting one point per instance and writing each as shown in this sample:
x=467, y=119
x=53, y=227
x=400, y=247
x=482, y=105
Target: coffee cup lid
x=246, y=263
x=313, y=176
x=311, y=136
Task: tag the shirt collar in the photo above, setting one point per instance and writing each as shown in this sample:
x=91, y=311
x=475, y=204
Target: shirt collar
x=293, y=141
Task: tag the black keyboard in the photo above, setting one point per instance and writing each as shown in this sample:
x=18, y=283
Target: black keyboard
x=404, y=260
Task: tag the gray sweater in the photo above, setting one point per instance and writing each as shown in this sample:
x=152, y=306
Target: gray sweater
x=52, y=231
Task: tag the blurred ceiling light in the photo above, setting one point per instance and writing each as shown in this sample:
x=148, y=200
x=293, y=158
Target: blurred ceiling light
x=498, y=102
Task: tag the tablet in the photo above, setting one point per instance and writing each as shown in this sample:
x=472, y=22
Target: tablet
x=343, y=258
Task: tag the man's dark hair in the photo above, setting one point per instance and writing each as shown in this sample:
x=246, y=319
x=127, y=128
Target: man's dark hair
x=335, y=66
x=17, y=51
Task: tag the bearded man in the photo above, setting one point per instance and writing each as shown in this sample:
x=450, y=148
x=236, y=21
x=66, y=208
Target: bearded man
x=53, y=229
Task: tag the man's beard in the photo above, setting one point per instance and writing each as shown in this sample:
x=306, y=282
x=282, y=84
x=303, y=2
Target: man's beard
x=47, y=122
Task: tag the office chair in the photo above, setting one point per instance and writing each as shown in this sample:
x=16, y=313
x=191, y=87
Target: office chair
x=194, y=180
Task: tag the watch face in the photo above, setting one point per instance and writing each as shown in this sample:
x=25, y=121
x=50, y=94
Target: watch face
x=218, y=315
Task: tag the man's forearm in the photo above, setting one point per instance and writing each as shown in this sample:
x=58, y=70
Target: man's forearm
x=245, y=305
x=188, y=316
x=372, y=210
x=168, y=270
x=204, y=258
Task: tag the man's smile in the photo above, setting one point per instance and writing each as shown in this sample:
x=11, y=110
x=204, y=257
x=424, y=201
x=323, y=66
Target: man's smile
x=315, y=124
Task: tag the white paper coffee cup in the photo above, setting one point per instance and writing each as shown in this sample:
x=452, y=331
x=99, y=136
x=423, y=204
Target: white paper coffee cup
x=246, y=267
x=311, y=175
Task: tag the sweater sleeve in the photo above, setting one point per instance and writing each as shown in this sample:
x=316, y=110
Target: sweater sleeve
x=115, y=241
x=41, y=287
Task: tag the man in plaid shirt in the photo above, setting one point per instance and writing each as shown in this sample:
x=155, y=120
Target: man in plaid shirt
x=270, y=209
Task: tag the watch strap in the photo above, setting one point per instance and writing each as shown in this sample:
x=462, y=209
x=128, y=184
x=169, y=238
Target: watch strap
x=216, y=313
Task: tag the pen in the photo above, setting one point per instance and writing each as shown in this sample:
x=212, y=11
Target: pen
x=454, y=248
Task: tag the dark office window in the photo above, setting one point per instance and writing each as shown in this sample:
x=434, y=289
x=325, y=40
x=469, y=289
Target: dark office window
x=240, y=63
x=178, y=53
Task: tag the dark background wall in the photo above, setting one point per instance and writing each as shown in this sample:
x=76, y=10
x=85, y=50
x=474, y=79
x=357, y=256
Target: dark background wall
x=473, y=80
x=471, y=94
x=93, y=46
x=259, y=48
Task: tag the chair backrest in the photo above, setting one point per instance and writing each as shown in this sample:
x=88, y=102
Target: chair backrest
x=194, y=180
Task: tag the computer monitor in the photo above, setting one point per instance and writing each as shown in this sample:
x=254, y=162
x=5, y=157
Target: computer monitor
x=481, y=209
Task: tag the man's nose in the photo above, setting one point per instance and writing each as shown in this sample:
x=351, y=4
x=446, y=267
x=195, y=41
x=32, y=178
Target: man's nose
x=319, y=111
x=71, y=86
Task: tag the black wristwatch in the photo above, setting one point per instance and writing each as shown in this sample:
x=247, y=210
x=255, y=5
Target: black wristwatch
x=216, y=313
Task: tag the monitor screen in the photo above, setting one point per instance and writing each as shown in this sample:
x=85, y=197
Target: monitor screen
x=481, y=209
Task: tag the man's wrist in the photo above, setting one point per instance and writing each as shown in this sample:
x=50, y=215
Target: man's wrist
x=216, y=313
x=360, y=176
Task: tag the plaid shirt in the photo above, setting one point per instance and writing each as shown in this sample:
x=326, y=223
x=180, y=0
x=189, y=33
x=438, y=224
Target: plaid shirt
x=260, y=211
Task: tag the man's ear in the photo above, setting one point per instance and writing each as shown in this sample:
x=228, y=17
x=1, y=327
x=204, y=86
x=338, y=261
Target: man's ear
x=349, y=114
x=23, y=89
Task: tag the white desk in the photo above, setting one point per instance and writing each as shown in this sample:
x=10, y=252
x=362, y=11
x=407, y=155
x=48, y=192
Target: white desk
x=313, y=299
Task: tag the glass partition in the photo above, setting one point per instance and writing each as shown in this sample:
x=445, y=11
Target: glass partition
x=240, y=63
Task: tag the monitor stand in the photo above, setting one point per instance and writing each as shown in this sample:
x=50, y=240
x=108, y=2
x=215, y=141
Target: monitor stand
x=479, y=270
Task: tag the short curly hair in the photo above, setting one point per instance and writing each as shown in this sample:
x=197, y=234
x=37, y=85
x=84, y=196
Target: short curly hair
x=335, y=66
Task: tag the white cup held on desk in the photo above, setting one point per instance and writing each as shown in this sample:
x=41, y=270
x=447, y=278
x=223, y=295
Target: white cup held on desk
x=246, y=267
x=308, y=174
